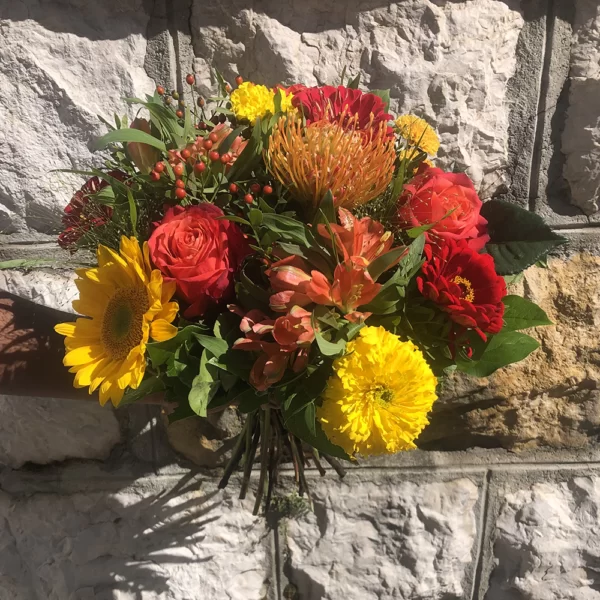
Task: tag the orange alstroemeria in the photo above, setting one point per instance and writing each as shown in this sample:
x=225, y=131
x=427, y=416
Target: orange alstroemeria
x=363, y=240
x=352, y=287
x=289, y=280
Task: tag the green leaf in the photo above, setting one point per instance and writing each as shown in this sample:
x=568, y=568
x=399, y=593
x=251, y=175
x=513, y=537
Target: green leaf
x=150, y=385
x=354, y=82
x=413, y=260
x=290, y=229
x=297, y=424
x=384, y=95
x=161, y=353
x=519, y=238
x=326, y=347
x=384, y=262
x=204, y=387
x=249, y=400
x=217, y=347
x=325, y=210
x=503, y=349
x=128, y=135
x=132, y=212
x=520, y=313
x=255, y=216
x=26, y=263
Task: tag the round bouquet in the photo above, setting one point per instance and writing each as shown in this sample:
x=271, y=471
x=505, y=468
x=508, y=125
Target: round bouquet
x=292, y=253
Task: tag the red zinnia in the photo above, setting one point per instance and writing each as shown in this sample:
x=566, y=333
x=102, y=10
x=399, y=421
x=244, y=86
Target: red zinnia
x=464, y=284
x=341, y=103
x=81, y=215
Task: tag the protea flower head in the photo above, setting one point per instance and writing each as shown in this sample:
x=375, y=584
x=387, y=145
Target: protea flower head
x=355, y=165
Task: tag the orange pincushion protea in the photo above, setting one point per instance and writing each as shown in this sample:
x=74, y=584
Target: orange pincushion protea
x=356, y=166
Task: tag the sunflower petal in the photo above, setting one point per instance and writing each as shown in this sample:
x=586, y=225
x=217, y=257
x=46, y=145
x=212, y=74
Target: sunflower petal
x=161, y=330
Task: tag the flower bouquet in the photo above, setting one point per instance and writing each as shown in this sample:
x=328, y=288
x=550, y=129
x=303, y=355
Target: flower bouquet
x=293, y=253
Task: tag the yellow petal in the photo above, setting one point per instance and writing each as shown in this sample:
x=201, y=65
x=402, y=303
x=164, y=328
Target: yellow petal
x=85, y=375
x=67, y=329
x=168, y=312
x=161, y=330
x=168, y=290
x=82, y=355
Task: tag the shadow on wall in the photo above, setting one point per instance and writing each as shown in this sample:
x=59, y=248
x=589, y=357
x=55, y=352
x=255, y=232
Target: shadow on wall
x=91, y=20
x=100, y=21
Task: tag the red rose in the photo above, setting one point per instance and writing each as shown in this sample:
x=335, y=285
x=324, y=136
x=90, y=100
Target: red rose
x=431, y=195
x=200, y=252
x=464, y=284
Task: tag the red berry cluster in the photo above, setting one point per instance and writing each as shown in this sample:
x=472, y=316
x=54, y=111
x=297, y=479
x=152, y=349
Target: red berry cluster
x=255, y=189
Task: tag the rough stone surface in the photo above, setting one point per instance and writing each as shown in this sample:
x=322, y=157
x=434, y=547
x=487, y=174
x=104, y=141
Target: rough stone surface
x=449, y=61
x=139, y=544
x=52, y=288
x=61, y=65
x=396, y=539
x=581, y=137
x=550, y=399
x=546, y=543
x=44, y=430
x=206, y=442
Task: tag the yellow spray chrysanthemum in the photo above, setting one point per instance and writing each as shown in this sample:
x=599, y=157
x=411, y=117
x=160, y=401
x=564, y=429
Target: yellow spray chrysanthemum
x=250, y=101
x=379, y=396
x=126, y=302
x=419, y=133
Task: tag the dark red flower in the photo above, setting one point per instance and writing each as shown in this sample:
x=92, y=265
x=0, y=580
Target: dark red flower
x=464, y=284
x=81, y=215
x=337, y=104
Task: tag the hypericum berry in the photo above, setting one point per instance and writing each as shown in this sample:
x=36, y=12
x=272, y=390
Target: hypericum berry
x=182, y=103
x=225, y=158
x=233, y=188
x=207, y=144
x=200, y=167
x=214, y=156
x=185, y=153
x=190, y=79
x=178, y=169
x=248, y=198
x=168, y=100
x=200, y=102
x=239, y=80
x=267, y=190
x=160, y=90
x=180, y=193
x=222, y=119
x=180, y=183
x=202, y=125
x=179, y=113
x=255, y=188
x=213, y=137
x=154, y=176
x=159, y=167
x=228, y=88
x=175, y=94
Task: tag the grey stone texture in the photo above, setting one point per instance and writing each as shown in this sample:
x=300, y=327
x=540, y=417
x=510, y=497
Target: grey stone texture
x=500, y=502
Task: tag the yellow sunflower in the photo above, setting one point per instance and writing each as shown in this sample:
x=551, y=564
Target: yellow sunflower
x=417, y=132
x=126, y=302
x=377, y=400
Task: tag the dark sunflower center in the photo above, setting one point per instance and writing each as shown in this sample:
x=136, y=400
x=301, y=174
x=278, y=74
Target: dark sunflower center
x=123, y=320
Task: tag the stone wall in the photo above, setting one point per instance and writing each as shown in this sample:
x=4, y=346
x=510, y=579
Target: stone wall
x=501, y=500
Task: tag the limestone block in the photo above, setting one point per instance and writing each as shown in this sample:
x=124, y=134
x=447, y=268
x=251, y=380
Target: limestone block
x=448, y=61
x=581, y=137
x=44, y=430
x=384, y=539
x=61, y=65
x=141, y=543
x=546, y=542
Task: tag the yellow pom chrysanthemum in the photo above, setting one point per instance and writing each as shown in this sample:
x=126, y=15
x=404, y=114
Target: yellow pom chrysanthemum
x=126, y=302
x=419, y=133
x=379, y=396
x=250, y=101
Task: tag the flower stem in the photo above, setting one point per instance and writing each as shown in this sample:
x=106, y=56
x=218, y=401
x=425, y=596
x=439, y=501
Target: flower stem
x=336, y=465
x=235, y=458
x=265, y=434
x=252, y=437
